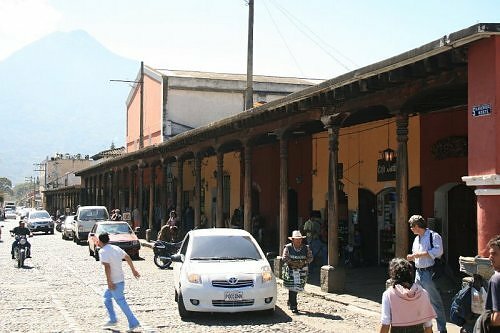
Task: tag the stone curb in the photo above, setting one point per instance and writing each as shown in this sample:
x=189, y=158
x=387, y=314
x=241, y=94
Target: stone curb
x=361, y=305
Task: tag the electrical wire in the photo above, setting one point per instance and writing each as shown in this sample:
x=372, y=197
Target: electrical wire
x=295, y=21
x=283, y=39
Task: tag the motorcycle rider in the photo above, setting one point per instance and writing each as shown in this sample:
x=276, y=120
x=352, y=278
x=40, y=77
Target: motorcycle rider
x=21, y=230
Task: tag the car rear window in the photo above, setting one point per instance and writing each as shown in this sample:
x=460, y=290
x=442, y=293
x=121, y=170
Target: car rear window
x=94, y=215
x=224, y=247
x=121, y=228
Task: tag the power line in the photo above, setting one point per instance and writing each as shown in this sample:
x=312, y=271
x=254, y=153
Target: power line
x=283, y=39
x=295, y=21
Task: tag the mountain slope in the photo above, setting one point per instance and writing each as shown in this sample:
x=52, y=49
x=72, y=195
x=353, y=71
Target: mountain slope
x=56, y=96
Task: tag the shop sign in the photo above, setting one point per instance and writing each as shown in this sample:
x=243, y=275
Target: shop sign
x=481, y=110
x=126, y=216
x=386, y=170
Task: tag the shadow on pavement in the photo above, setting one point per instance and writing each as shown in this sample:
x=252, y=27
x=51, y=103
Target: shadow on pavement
x=240, y=318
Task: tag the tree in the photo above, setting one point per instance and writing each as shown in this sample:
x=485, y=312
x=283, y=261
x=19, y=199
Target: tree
x=6, y=186
x=21, y=190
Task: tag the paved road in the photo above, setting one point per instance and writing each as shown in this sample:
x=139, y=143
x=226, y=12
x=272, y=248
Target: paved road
x=60, y=290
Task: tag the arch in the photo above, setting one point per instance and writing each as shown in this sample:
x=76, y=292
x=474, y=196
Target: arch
x=455, y=206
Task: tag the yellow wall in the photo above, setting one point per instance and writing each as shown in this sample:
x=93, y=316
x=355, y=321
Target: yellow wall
x=209, y=165
x=359, y=149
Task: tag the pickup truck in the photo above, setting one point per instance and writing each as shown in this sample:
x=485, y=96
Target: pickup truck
x=85, y=218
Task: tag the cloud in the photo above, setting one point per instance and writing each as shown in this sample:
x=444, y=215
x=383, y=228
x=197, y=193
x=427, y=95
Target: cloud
x=24, y=21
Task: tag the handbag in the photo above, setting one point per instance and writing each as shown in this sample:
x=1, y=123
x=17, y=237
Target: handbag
x=438, y=269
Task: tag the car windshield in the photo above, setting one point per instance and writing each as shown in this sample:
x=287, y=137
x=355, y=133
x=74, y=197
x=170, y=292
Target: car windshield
x=94, y=215
x=39, y=215
x=118, y=228
x=224, y=248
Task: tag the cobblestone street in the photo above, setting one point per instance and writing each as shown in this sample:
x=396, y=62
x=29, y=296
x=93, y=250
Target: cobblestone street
x=60, y=290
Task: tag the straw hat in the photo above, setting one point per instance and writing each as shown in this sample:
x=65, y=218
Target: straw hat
x=296, y=234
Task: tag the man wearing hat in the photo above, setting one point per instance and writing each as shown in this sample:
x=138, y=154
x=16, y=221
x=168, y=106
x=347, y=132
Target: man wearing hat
x=296, y=258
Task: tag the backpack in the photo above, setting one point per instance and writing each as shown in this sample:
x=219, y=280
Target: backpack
x=439, y=267
x=460, y=309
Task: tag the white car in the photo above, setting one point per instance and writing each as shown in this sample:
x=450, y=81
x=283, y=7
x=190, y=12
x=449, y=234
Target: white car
x=67, y=227
x=222, y=270
x=10, y=214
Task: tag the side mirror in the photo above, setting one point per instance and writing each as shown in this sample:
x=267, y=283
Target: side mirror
x=176, y=257
x=270, y=255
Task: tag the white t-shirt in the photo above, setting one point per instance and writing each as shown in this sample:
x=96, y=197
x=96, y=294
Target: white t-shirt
x=113, y=255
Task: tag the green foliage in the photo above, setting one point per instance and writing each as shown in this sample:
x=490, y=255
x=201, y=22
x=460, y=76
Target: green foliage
x=20, y=190
x=6, y=186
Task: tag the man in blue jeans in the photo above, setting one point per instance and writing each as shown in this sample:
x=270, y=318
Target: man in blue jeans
x=111, y=257
x=423, y=254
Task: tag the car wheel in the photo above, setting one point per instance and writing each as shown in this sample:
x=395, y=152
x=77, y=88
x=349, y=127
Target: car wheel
x=52, y=231
x=183, y=313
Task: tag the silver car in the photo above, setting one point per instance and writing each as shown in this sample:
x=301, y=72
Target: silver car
x=39, y=220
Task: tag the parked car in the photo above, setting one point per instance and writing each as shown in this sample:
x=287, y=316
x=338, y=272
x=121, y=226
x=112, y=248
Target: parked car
x=222, y=270
x=67, y=227
x=10, y=213
x=120, y=234
x=85, y=218
x=39, y=220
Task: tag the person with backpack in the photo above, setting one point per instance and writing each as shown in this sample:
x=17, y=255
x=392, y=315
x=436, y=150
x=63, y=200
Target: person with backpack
x=405, y=304
x=427, y=246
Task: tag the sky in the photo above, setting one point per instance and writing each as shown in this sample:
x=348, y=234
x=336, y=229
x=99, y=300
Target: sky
x=310, y=39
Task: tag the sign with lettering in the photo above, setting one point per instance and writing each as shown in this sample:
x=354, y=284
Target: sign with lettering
x=481, y=110
x=386, y=170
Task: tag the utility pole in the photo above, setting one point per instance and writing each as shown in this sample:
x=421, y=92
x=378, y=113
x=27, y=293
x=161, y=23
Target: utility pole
x=141, y=120
x=41, y=167
x=141, y=106
x=249, y=92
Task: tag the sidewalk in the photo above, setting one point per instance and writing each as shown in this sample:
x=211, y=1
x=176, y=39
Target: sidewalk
x=363, y=290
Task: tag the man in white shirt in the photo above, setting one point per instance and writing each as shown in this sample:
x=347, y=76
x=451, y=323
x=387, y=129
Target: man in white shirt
x=111, y=257
x=423, y=254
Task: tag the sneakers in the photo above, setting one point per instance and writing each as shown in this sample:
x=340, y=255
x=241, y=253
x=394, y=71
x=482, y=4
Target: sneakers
x=109, y=324
x=134, y=328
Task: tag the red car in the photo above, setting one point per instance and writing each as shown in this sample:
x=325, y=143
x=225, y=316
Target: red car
x=120, y=234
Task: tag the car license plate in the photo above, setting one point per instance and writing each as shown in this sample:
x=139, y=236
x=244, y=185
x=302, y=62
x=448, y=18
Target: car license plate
x=231, y=296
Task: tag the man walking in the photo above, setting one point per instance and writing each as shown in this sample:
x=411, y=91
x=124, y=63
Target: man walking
x=111, y=257
x=493, y=296
x=424, y=250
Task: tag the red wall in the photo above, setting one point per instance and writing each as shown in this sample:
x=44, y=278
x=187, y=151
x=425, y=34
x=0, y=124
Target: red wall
x=266, y=175
x=434, y=172
x=484, y=71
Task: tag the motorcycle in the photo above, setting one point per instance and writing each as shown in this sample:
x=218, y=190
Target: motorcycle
x=59, y=222
x=20, y=250
x=163, y=251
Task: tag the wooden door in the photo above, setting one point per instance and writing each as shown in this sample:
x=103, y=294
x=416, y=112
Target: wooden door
x=367, y=224
x=462, y=225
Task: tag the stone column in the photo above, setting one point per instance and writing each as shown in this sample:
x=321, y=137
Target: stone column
x=283, y=227
x=219, y=215
x=180, y=185
x=151, y=203
x=332, y=275
x=99, y=189
x=197, y=190
x=140, y=191
x=402, y=186
x=163, y=192
x=247, y=196
x=131, y=190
